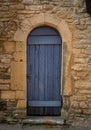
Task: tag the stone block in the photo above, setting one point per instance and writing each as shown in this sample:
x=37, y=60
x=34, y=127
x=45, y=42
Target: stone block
x=85, y=92
x=5, y=76
x=20, y=56
x=3, y=70
x=65, y=33
x=33, y=7
x=80, y=46
x=5, y=60
x=87, y=112
x=47, y=7
x=79, y=98
x=76, y=52
x=19, y=114
x=4, y=66
x=19, y=35
x=27, y=2
x=18, y=75
x=4, y=8
x=88, y=51
x=21, y=104
x=19, y=7
x=20, y=95
x=82, y=84
x=4, y=81
x=9, y=46
x=37, y=20
x=78, y=3
x=74, y=104
x=89, y=103
x=31, y=12
x=83, y=105
x=80, y=60
x=1, y=46
x=5, y=55
x=2, y=117
x=82, y=74
x=89, y=60
x=3, y=105
x=26, y=25
x=21, y=46
x=4, y=86
x=11, y=103
x=79, y=67
x=7, y=95
x=51, y=20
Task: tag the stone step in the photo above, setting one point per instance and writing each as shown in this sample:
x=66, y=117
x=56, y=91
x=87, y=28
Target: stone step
x=44, y=121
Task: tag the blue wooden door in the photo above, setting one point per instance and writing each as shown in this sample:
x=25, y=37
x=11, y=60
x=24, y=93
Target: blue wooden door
x=44, y=51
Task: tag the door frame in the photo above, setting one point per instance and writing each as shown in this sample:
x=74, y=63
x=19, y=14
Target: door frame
x=51, y=20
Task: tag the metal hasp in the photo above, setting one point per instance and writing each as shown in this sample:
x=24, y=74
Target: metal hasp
x=88, y=6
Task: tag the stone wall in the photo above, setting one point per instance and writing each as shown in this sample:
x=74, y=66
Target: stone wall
x=77, y=105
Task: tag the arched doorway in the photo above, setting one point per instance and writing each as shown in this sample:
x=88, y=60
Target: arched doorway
x=44, y=56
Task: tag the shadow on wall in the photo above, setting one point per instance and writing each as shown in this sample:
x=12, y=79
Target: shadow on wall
x=88, y=6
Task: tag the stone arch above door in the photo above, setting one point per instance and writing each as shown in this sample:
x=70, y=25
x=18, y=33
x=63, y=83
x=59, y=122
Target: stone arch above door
x=51, y=20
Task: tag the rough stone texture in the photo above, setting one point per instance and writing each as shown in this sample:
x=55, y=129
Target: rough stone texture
x=18, y=81
x=21, y=104
x=20, y=94
x=17, y=18
x=3, y=105
x=8, y=95
x=9, y=47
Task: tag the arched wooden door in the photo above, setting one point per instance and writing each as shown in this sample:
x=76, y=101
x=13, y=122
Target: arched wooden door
x=44, y=52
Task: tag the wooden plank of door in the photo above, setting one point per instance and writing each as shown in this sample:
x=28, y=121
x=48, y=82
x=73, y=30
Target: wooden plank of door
x=36, y=72
x=49, y=77
x=46, y=78
x=30, y=76
x=36, y=40
x=45, y=103
x=32, y=62
x=28, y=81
x=41, y=76
x=57, y=69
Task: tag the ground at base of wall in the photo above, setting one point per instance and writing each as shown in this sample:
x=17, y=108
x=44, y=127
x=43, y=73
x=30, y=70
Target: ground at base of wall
x=39, y=127
x=46, y=121
x=79, y=120
x=19, y=117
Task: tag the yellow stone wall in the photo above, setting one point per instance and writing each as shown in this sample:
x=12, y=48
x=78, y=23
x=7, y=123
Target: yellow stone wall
x=17, y=20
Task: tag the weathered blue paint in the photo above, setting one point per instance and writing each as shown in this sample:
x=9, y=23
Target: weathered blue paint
x=43, y=72
x=44, y=35
x=44, y=31
x=44, y=103
x=44, y=40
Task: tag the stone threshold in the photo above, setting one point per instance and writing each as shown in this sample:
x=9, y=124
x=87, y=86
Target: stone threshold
x=41, y=120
